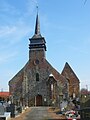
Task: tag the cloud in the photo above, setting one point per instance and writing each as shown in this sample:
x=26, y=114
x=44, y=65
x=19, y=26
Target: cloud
x=5, y=7
x=13, y=34
x=10, y=36
x=6, y=30
x=13, y=28
x=4, y=57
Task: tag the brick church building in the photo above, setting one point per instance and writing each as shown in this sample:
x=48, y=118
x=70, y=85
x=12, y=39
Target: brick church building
x=38, y=82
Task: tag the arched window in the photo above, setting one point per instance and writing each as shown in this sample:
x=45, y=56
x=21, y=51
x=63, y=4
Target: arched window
x=51, y=87
x=37, y=77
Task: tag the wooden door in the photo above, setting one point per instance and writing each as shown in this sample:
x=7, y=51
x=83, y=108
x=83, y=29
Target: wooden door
x=38, y=100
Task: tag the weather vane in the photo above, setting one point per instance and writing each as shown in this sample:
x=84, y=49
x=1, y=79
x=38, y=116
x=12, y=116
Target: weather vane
x=37, y=8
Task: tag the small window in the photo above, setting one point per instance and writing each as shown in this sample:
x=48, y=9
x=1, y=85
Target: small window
x=37, y=77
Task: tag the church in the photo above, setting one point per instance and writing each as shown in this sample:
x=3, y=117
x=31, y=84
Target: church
x=38, y=83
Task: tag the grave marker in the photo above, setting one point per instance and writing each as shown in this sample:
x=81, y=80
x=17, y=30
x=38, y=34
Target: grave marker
x=2, y=110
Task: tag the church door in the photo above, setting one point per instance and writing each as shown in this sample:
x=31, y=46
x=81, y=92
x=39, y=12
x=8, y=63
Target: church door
x=38, y=100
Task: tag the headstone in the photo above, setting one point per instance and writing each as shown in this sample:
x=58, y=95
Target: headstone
x=12, y=107
x=2, y=110
x=8, y=109
x=63, y=105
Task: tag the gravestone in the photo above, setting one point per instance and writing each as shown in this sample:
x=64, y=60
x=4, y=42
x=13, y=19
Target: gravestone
x=12, y=107
x=2, y=110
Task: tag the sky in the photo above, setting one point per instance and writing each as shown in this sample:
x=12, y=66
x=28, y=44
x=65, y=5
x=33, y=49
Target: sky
x=65, y=24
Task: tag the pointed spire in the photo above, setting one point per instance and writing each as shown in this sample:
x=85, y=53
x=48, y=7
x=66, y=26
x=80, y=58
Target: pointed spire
x=37, y=26
x=37, y=41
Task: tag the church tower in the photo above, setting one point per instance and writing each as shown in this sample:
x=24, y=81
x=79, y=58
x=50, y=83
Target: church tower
x=37, y=46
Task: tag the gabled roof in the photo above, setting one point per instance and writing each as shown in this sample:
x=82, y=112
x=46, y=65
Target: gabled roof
x=52, y=76
x=68, y=72
x=55, y=73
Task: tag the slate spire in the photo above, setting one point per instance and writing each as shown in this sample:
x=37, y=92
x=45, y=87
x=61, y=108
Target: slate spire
x=37, y=26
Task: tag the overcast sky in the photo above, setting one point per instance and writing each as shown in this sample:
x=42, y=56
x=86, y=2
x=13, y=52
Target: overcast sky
x=65, y=24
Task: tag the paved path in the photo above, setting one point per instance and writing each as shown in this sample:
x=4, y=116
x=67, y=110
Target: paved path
x=38, y=113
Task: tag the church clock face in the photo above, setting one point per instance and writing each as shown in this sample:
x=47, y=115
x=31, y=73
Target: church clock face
x=36, y=62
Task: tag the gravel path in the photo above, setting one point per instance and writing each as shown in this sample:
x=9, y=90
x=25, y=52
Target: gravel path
x=38, y=113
